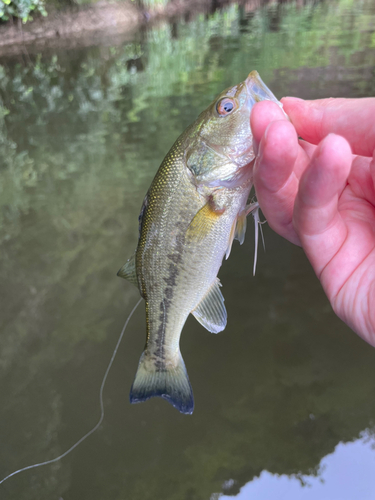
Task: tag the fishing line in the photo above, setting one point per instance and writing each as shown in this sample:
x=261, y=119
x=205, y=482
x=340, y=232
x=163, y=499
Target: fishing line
x=255, y=215
x=47, y=462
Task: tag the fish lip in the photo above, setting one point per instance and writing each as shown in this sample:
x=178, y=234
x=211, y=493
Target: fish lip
x=257, y=90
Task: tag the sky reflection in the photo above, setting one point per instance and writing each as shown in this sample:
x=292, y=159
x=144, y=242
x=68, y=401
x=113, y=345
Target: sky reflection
x=348, y=471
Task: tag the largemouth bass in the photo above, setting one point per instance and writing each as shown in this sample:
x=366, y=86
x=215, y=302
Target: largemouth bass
x=195, y=207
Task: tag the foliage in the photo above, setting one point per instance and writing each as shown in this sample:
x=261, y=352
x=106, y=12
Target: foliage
x=22, y=9
x=81, y=135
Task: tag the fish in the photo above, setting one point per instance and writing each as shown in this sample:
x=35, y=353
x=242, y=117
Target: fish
x=196, y=206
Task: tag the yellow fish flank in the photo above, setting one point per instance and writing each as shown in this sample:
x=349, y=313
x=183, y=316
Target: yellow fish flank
x=195, y=207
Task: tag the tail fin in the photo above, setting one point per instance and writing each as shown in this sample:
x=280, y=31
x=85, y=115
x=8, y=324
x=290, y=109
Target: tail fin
x=171, y=384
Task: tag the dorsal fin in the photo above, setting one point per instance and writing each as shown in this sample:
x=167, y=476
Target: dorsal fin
x=211, y=312
x=140, y=217
x=128, y=271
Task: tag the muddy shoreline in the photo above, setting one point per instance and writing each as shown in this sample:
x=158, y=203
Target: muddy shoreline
x=105, y=22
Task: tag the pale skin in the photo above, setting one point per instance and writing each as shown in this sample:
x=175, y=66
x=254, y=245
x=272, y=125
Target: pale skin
x=319, y=193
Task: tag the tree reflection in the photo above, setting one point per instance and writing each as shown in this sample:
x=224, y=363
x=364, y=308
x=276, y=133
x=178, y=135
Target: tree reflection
x=81, y=135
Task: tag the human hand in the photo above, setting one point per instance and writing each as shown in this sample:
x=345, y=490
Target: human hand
x=319, y=195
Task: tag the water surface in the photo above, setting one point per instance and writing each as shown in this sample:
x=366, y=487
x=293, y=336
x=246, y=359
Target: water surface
x=82, y=133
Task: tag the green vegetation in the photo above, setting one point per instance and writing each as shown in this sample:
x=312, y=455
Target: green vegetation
x=25, y=9
x=22, y=9
x=81, y=135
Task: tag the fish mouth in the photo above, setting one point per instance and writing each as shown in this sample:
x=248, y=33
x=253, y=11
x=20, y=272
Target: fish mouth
x=257, y=90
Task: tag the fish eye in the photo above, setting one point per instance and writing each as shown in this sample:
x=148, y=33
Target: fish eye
x=225, y=106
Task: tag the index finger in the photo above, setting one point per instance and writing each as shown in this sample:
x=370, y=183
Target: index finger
x=262, y=114
x=352, y=119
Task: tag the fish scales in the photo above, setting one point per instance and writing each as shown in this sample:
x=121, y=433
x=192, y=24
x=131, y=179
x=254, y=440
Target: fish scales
x=171, y=278
x=187, y=224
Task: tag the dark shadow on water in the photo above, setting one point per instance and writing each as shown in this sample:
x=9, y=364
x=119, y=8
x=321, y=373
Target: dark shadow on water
x=82, y=133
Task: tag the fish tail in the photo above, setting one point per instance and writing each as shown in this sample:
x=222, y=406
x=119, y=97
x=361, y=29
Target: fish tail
x=170, y=383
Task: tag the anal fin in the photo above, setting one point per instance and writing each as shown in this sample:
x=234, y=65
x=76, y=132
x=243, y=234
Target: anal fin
x=211, y=312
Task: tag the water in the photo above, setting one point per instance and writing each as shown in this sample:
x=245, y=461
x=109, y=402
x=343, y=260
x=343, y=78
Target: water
x=347, y=472
x=82, y=133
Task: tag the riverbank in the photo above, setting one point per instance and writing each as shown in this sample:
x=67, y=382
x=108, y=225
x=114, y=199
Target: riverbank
x=103, y=22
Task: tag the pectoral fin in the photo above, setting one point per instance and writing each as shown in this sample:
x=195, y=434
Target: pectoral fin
x=211, y=312
x=203, y=221
x=128, y=271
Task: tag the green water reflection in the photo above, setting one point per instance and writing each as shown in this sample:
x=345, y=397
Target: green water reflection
x=81, y=135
